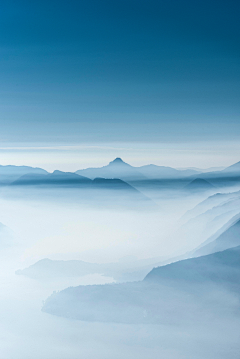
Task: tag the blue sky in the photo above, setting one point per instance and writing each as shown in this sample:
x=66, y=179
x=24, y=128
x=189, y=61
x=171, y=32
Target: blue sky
x=102, y=71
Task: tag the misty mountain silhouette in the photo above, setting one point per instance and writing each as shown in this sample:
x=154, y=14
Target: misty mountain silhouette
x=55, y=178
x=199, y=184
x=47, y=268
x=99, y=192
x=120, y=271
x=235, y=168
x=228, y=239
x=184, y=285
x=115, y=183
x=115, y=169
x=221, y=267
x=120, y=169
x=69, y=178
x=231, y=173
x=163, y=172
x=11, y=173
x=210, y=202
x=118, y=161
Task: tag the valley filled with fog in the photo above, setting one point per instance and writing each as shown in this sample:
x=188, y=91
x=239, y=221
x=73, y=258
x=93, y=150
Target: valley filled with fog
x=119, y=179
x=119, y=262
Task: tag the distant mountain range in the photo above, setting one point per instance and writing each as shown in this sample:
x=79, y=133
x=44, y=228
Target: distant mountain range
x=55, y=178
x=116, y=169
x=73, y=187
x=11, y=173
x=202, y=170
x=68, y=179
x=231, y=171
x=120, y=169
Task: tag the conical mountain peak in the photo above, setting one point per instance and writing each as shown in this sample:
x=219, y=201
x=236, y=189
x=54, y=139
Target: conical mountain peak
x=117, y=161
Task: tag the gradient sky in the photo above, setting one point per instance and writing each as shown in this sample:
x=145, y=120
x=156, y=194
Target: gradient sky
x=105, y=71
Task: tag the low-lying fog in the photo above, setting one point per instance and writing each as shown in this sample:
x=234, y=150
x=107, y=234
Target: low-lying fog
x=59, y=225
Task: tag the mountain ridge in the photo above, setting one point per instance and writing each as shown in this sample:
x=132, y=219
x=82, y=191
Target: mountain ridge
x=131, y=173
x=184, y=285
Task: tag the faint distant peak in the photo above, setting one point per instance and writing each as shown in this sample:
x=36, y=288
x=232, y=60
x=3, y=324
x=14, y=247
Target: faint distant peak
x=200, y=183
x=57, y=172
x=117, y=161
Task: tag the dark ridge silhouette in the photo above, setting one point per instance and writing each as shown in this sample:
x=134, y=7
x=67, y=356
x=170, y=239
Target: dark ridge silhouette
x=114, y=183
x=98, y=192
x=55, y=178
x=220, y=267
x=169, y=294
x=199, y=184
x=68, y=178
